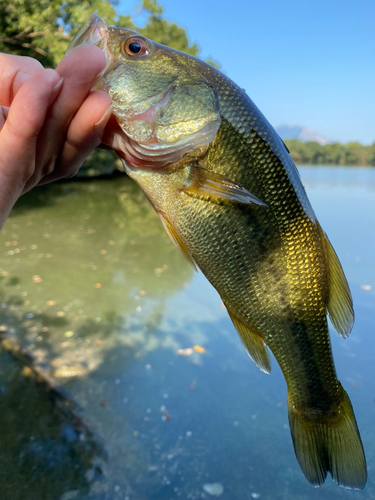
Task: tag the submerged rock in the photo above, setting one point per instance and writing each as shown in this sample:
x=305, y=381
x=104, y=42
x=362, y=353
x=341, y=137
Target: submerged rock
x=214, y=489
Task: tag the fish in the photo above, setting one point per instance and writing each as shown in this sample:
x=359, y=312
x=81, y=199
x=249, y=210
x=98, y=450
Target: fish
x=231, y=199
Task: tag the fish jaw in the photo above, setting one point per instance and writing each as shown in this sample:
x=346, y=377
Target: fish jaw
x=93, y=32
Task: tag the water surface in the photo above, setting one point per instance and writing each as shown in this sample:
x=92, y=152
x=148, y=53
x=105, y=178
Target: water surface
x=93, y=289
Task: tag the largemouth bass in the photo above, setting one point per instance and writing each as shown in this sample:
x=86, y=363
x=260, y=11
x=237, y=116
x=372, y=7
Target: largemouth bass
x=231, y=199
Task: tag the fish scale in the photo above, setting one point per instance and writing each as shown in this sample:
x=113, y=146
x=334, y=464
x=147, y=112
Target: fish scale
x=232, y=201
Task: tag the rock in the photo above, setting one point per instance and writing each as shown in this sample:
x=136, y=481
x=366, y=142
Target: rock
x=214, y=489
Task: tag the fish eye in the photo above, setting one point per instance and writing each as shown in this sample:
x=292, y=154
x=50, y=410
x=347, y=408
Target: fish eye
x=134, y=47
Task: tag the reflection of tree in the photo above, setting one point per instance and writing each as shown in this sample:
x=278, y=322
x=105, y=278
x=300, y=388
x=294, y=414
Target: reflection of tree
x=41, y=455
x=86, y=269
x=99, y=249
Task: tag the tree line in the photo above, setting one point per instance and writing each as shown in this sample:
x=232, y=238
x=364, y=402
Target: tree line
x=313, y=153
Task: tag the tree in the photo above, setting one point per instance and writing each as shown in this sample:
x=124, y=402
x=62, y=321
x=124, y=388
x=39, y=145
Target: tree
x=43, y=28
x=313, y=153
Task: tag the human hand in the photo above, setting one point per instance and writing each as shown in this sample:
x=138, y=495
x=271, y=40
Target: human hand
x=49, y=120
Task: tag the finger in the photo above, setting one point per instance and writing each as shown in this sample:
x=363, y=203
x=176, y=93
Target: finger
x=18, y=136
x=4, y=111
x=84, y=134
x=14, y=71
x=80, y=70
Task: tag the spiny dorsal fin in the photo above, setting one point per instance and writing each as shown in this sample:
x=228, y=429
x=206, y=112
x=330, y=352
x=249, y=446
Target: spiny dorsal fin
x=176, y=239
x=254, y=344
x=340, y=304
x=205, y=182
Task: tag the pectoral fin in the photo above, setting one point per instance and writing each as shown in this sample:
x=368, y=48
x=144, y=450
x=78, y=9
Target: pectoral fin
x=205, y=182
x=177, y=240
x=254, y=344
x=340, y=304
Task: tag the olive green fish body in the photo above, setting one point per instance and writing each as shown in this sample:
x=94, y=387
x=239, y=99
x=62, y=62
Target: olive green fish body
x=231, y=199
x=267, y=265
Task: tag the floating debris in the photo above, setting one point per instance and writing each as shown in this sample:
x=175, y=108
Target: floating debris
x=70, y=495
x=198, y=348
x=165, y=417
x=37, y=279
x=213, y=489
x=185, y=352
x=193, y=385
x=366, y=287
x=69, y=334
x=142, y=293
x=255, y=495
x=51, y=303
x=98, y=285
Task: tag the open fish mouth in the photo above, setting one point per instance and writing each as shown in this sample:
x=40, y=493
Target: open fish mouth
x=93, y=32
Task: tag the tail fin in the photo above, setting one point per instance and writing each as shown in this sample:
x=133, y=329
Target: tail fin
x=330, y=444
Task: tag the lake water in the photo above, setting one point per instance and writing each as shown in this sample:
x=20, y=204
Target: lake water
x=94, y=291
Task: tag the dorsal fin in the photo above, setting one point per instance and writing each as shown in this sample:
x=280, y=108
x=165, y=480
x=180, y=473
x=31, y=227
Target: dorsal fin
x=176, y=239
x=340, y=304
x=253, y=343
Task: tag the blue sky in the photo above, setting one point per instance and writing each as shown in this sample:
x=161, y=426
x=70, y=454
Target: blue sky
x=307, y=62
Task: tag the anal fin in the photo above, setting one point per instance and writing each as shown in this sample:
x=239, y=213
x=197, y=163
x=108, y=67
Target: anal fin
x=340, y=304
x=177, y=240
x=205, y=182
x=253, y=343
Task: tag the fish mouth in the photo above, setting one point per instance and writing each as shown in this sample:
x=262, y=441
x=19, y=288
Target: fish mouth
x=93, y=32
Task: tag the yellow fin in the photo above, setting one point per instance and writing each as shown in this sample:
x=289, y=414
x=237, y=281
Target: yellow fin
x=254, y=344
x=205, y=182
x=340, y=304
x=176, y=239
x=329, y=444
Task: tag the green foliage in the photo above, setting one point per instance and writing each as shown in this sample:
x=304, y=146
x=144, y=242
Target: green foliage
x=43, y=28
x=313, y=153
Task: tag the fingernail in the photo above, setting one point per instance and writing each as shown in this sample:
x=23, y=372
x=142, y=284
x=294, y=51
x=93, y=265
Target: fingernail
x=56, y=90
x=104, y=118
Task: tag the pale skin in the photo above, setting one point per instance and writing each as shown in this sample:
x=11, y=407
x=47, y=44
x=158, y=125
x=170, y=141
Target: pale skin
x=50, y=120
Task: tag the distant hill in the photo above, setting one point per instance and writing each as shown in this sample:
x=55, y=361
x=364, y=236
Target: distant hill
x=303, y=134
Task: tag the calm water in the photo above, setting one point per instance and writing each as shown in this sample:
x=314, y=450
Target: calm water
x=92, y=288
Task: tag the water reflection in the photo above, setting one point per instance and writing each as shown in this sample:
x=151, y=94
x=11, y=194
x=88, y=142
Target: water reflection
x=95, y=292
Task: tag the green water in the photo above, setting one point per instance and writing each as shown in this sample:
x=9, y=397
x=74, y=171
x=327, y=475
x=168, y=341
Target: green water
x=94, y=290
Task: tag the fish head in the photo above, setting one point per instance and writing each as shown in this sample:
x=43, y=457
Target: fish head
x=163, y=107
